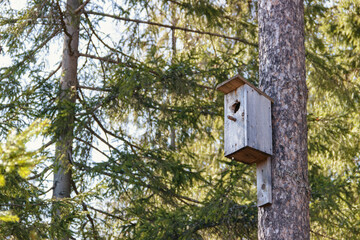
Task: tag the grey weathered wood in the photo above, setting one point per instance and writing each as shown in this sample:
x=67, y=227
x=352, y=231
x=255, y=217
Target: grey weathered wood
x=258, y=121
x=263, y=180
x=236, y=82
x=248, y=133
x=235, y=131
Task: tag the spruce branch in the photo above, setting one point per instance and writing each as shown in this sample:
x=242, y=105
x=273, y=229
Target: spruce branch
x=63, y=25
x=104, y=59
x=101, y=40
x=105, y=130
x=100, y=138
x=81, y=7
x=172, y=27
x=113, y=61
x=113, y=134
x=163, y=189
x=322, y=235
x=94, y=88
x=53, y=72
x=92, y=146
x=45, y=170
x=106, y=213
x=96, y=234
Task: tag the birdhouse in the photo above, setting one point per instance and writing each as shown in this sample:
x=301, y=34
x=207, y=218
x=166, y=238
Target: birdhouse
x=248, y=133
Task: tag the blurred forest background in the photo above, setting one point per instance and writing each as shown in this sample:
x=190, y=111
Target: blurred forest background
x=146, y=121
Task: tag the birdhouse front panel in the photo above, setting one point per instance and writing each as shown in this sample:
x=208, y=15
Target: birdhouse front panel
x=235, y=121
x=248, y=133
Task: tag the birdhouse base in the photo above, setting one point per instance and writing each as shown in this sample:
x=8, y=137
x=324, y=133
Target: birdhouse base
x=248, y=155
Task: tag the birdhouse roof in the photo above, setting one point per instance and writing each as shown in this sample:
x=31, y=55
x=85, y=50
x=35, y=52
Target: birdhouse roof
x=236, y=82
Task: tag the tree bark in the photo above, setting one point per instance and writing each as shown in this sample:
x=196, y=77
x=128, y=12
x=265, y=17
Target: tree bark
x=173, y=48
x=67, y=99
x=282, y=77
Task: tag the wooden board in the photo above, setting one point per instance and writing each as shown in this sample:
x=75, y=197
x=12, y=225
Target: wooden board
x=249, y=126
x=235, y=131
x=263, y=180
x=258, y=125
x=248, y=155
x=235, y=82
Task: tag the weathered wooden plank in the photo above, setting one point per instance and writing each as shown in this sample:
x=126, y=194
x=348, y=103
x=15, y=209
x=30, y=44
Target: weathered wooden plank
x=247, y=120
x=231, y=84
x=236, y=82
x=235, y=130
x=248, y=155
x=263, y=179
x=259, y=121
x=247, y=124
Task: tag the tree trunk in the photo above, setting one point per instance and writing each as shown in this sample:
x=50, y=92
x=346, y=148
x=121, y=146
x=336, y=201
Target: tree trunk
x=65, y=121
x=173, y=48
x=282, y=77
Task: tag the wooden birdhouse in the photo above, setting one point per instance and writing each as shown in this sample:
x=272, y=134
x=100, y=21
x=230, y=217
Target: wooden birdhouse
x=248, y=133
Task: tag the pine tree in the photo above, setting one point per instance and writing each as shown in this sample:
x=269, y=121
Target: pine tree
x=282, y=76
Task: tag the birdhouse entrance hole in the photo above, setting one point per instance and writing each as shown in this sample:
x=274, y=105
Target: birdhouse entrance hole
x=235, y=107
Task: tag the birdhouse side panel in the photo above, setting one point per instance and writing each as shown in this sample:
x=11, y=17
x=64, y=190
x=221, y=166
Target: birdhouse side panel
x=235, y=121
x=259, y=121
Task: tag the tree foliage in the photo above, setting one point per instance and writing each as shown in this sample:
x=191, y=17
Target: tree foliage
x=18, y=194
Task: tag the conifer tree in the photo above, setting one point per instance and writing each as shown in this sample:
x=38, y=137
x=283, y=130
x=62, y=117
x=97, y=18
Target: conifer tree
x=282, y=76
